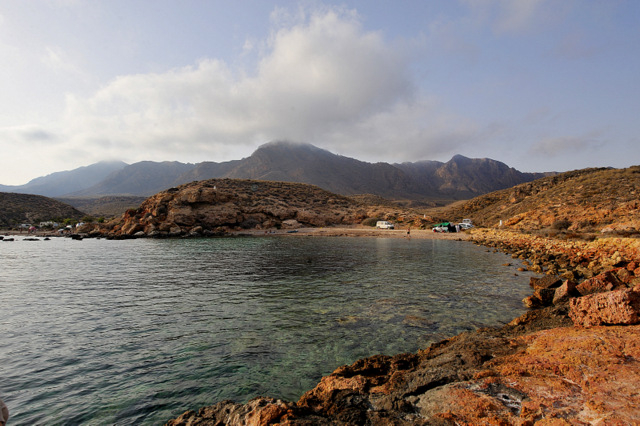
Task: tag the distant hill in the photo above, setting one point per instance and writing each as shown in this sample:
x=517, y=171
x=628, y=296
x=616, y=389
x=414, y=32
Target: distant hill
x=142, y=179
x=61, y=183
x=459, y=178
x=107, y=206
x=588, y=200
x=33, y=209
x=463, y=178
x=304, y=163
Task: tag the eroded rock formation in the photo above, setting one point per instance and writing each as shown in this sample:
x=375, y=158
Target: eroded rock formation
x=216, y=206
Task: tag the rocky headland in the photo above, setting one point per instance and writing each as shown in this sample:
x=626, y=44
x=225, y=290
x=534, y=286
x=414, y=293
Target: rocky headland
x=220, y=206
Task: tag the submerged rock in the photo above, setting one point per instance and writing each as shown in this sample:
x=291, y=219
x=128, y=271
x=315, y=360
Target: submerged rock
x=517, y=374
x=506, y=375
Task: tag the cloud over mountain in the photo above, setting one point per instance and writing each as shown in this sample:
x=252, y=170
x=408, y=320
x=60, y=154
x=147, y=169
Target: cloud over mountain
x=84, y=82
x=316, y=80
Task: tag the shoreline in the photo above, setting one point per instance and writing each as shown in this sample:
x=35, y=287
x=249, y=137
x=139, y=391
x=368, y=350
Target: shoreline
x=546, y=365
x=334, y=231
x=356, y=231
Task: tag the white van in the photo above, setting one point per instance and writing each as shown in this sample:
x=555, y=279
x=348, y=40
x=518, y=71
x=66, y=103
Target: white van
x=383, y=224
x=466, y=224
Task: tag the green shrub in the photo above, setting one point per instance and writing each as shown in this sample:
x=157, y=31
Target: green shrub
x=561, y=224
x=370, y=221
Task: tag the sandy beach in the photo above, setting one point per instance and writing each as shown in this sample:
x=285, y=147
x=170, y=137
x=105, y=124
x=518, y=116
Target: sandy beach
x=360, y=231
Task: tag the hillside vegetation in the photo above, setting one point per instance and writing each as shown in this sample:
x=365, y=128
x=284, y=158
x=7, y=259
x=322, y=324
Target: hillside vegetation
x=108, y=206
x=26, y=208
x=588, y=200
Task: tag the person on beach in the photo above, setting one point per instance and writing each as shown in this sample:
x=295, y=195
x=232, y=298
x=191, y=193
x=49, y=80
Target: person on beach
x=4, y=413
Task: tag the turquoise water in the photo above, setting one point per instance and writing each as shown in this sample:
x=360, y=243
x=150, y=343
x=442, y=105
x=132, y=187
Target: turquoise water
x=138, y=331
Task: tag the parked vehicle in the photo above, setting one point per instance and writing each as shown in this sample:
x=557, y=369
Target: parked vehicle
x=441, y=227
x=466, y=224
x=383, y=224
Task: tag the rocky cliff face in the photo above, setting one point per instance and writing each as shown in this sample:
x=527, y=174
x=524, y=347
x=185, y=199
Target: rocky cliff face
x=217, y=205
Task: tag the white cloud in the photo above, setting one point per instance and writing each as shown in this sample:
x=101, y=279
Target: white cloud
x=27, y=137
x=511, y=16
x=516, y=15
x=552, y=147
x=57, y=60
x=319, y=78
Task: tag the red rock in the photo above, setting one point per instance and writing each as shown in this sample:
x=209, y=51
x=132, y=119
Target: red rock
x=565, y=292
x=624, y=275
x=614, y=307
x=258, y=411
x=598, y=284
x=545, y=295
x=548, y=281
x=532, y=302
x=570, y=376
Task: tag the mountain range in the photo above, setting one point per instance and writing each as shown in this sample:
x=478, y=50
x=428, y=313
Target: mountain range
x=424, y=181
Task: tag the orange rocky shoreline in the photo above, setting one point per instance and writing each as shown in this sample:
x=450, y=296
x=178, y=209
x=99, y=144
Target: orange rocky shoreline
x=575, y=362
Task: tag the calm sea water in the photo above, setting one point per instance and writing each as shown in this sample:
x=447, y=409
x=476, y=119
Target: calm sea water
x=138, y=331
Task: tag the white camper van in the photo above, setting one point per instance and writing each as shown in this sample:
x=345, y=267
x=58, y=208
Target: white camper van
x=383, y=224
x=466, y=224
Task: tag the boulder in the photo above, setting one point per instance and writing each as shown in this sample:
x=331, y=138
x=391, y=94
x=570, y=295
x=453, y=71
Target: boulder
x=624, y=275
x=291, y=224
x=606, y=281
x=620, y=307
x=566, y=291
x=532, y=302
x=257, y=411
x=548, y=281
x=545, y=295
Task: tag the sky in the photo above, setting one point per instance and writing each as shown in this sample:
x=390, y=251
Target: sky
x=541, y=85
